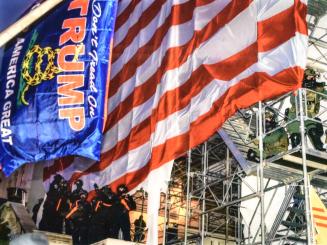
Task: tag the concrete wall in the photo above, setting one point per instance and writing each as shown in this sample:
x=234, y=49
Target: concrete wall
x=36, y=190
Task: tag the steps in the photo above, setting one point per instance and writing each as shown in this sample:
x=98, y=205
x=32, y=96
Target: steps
x=282, y=211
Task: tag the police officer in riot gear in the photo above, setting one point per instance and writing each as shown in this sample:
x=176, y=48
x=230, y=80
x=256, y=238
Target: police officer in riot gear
x=51, y=221
x=75, y=195
x=274, y=142
x=122, y=207
x=79, y=215
x=102, y=219
x=98, y=220
x=314, y=129
x=63, y=205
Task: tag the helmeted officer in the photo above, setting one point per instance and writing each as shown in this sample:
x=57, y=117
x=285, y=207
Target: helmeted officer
x=79, y=214
x=121, y=210
x=50, y=220
x=314, y=129
x=63, y=205
x=102, y=221
x=75, y=195
x=274, y=142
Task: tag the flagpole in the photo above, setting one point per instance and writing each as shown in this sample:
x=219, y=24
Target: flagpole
x=27, y=20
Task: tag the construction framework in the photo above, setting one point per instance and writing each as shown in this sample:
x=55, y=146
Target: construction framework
x=212, y=186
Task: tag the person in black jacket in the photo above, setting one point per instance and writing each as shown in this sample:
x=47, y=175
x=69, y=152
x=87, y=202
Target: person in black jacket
x=102, y=221
x=50, y=219
x=75, y=195
x=139, y=229
x=63, y=206
x=122, y=207
x=79, y=215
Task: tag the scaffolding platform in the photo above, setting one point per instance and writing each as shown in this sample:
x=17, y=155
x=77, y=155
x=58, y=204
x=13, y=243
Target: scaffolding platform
x=287, y=167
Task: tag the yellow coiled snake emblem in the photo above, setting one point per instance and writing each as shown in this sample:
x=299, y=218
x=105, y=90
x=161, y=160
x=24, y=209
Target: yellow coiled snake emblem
x=40, y=75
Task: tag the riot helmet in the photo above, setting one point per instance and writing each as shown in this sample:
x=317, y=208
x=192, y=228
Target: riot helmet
x=110, y=197
x=57, y=178
x=63, y=186
x=122, y=189
x=270, y=119
x=79, y=183
x=106, y=190
x=83, y=195
x=310, y=78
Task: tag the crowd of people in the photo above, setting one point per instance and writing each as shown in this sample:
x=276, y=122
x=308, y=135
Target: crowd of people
x=89, y=221
x=277, y=139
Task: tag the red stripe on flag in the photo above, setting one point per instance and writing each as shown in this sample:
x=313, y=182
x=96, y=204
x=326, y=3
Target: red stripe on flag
x=280, y=28
x=300, y=17
x=58, y=165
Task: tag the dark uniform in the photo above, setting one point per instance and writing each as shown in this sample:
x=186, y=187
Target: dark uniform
x=313, y=129
x=51, y=221
x=139, y=230
x=121, y=210
x=75, y=195
x=63, y=205
x=79, y=215
x=102, y=221
x=273, y=143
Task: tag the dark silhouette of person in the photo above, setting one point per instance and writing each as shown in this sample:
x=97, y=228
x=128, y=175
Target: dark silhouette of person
x=51, y=221
x=102, y=218
x=79, y=215
x=139, y=230
x=75, y=195
x=121, y=211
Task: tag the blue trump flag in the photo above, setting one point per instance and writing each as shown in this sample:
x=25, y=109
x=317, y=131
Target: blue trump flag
x=54, y=80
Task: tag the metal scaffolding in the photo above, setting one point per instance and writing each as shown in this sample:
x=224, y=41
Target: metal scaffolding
x=210, y=182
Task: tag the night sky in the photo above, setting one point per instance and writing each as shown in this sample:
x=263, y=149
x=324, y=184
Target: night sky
x=10, y=10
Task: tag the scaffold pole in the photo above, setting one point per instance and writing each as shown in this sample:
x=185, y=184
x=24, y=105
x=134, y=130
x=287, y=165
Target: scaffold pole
x=204, y=173
x=261, y=184
x=306, y=181
x=189, y=159
x=227, y=197
x=166, y=216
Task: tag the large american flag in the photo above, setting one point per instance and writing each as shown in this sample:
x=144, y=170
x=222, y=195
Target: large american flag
x=180, y=68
